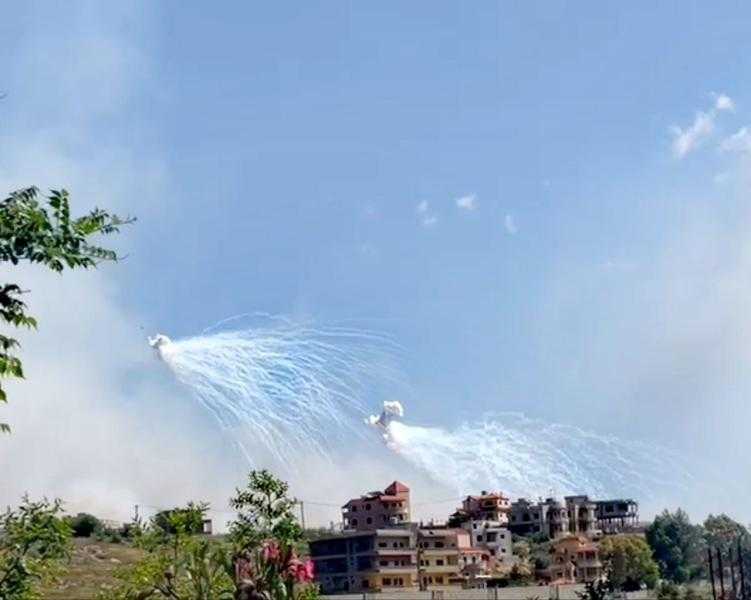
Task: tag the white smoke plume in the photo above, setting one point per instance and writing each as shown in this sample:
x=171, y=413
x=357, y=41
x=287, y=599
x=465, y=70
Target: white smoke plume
x=524, y=457
x=283, y=386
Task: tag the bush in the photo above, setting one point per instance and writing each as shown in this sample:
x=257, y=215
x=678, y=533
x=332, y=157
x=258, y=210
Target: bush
x=84, y=525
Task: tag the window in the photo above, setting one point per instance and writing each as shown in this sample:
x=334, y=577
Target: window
x=367, y=507
x=439, y=544
x=387, y=581
x=365, y=583
x=382, y=544
x=479, y=538
x=369, y=520
x=354, y=522
x=439, y=562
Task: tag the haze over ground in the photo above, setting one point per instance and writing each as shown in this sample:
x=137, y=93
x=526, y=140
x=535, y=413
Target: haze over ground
x=546, y=206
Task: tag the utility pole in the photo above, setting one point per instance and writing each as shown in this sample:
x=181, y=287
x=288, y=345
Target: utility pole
x=302, y=513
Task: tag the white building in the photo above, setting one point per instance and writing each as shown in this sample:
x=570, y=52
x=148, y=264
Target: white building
x=492, y=536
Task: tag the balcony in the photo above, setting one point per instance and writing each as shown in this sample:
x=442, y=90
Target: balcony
x=411, y=553
x=440, y=569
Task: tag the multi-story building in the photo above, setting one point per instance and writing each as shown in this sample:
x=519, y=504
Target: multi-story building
x=615, y=516
x=548, y=518
x=488, y=506
x=493, y=538
x=376, y=510
x=439, y=551
x=582, y=515
x=574, y=559
x=361, y=561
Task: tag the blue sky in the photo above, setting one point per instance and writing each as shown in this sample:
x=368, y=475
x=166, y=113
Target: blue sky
x=542, y=202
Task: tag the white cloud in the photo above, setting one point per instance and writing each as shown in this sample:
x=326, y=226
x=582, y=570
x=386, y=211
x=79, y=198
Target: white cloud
x=723, y=102
x=509, y=224
x=740, y=141
x=422, y=207
x=468, y=202
x=686, y=140
x=429, y=220
x=689, y=139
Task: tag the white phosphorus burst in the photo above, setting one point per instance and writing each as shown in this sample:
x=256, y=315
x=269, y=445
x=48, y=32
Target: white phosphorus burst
x=289, y=388
x=525, y=457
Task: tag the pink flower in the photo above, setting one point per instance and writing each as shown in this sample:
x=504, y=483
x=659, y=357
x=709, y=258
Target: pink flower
x=309, y=568
x=301, y=572
x=271, y=551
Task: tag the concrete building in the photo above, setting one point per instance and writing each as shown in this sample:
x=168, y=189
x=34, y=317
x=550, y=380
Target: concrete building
x=439, y=551
x=488, y=506
x=389, y=508
x=363, y=561
x=548, y=518
x=574, y=559
x=582, y=515
x=616, y=516
x=493, y=538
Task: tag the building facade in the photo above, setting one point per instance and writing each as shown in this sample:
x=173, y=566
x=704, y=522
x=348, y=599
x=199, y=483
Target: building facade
x=362, y=561
x=616, y=516
x=574, y=559
x=493, y=538
x=548, y=517
x=375, y=510
x=582, y=515
x=440, y=553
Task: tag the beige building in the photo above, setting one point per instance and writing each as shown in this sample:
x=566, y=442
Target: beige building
x=439, y=552
x=488, y=506
x=574, y=559
x=375, y=510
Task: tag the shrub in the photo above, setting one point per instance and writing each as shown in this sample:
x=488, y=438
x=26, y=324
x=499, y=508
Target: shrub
x=84, y=525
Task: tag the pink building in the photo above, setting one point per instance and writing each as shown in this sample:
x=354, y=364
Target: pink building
x=377, y=510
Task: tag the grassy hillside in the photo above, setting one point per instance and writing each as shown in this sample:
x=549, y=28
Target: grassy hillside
x=92, y=565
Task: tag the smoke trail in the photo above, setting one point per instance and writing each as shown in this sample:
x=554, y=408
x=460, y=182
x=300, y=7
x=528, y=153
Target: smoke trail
x=284, y=386
x=525, y=457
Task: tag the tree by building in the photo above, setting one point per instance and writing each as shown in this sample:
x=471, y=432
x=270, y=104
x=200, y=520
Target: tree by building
x=43, y=233
x=629, y=562
x=34, y=541
x=678, y=546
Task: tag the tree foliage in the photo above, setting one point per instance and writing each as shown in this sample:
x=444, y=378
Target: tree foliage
x=722, y=533
x=678, y=546
x=44, y=233
x=34, y=540
x=595, y=590
x=629, y=562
